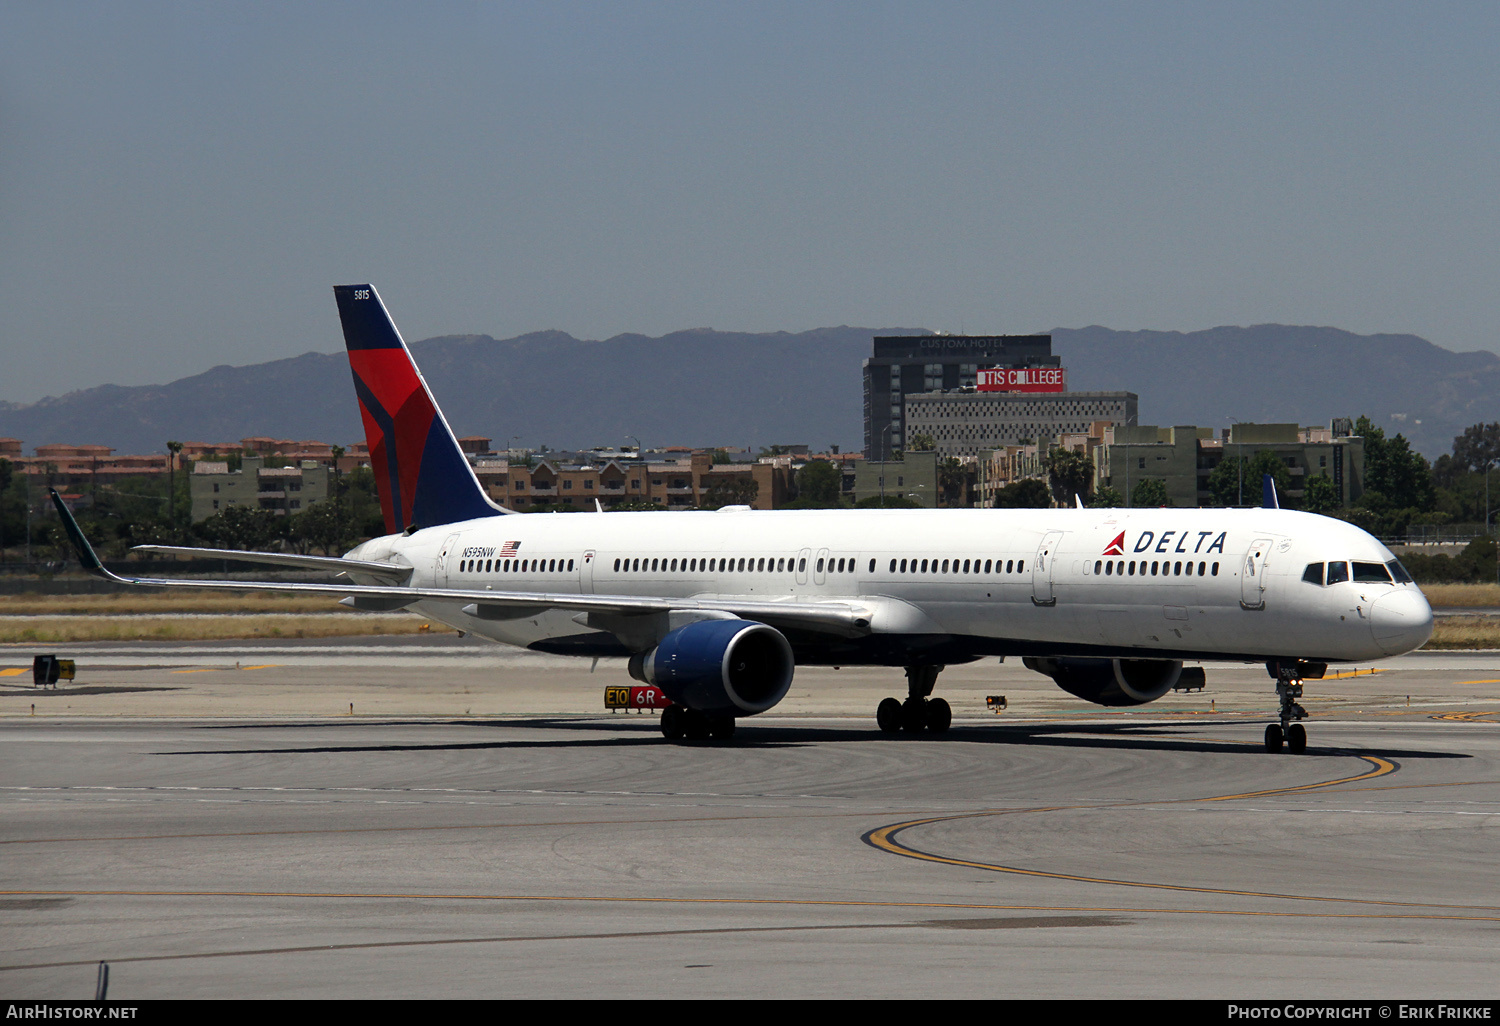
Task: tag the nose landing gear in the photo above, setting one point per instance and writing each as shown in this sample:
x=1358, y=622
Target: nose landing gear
x=1289, y=675
x=918, y=712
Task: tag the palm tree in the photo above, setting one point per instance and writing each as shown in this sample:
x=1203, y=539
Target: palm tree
x=173, y=448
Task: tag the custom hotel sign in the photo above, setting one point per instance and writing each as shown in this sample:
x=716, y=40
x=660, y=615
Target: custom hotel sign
x=1022, y=379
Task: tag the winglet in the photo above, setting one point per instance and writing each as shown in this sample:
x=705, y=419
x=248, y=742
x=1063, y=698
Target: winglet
x=1268, y=492
x=81, y=546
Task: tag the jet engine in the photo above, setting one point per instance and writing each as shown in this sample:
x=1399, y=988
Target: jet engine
x=733, y=667
x=1111, y=681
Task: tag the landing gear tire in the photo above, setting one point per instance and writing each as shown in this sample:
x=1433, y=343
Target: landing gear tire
x=914, y=715
x=671, y=722
x=1274, y=737
x=695, y=726
x=1296, y=739
x=888, y=715
x=939, y=715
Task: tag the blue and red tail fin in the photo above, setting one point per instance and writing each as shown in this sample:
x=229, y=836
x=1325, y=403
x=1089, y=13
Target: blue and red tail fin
x=420, y=472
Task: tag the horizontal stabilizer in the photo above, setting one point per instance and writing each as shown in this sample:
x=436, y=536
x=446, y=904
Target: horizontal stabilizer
x=333, y=564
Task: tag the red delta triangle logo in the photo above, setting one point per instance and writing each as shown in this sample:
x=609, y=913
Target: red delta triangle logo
x=1116, y=547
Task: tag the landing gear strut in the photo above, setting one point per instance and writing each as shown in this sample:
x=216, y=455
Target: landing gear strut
x=1289, y=677
x=918, y=712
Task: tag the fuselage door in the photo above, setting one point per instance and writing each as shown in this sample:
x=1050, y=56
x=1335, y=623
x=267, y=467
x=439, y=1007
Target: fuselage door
x=445, y=560
x=1041, y=569
x=586, y=574
x=1253, y=574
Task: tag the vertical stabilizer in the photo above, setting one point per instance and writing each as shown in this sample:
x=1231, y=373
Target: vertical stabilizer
x=420, y=472
x=1268, y=497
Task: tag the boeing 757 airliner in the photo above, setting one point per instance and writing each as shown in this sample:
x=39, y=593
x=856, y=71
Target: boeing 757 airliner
x=718, y=608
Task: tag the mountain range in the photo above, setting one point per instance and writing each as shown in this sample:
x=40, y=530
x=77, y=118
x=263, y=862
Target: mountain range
x=702, y=387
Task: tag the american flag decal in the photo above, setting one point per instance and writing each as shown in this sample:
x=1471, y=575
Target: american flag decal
x=509, y=549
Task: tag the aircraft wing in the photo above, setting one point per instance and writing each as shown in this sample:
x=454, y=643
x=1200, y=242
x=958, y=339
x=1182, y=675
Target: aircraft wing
x=364, y=566
x=848, y=619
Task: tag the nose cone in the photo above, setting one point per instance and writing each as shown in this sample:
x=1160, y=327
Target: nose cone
x=1401, y=621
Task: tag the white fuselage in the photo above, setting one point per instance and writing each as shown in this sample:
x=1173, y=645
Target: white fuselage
x=1147, y=583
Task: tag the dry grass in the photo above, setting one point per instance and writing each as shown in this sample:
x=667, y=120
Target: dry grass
x=1462, y=596
x=64, y=629
x=1465, y=632
x=161, y=600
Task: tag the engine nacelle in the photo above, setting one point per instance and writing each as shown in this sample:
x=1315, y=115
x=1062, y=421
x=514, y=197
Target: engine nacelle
x=737, y=667
x=1111, y=681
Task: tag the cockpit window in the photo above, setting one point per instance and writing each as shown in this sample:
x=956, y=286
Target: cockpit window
x=1338, y=572
x=1371, y=573
x=1399, y=572
x=1313, y=574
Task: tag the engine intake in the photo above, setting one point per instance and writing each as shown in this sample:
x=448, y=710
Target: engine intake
x=737, y=667
x=1111, y=681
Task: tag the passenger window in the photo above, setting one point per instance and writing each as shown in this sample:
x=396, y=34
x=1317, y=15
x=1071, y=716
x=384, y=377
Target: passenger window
x=570, y=565
x=1109, y=568
x=1313, y=574
x=872, y=566
x=1215, y=570
x=1371, y=573
x=1200, y=568
x=617, y=566
x=802, y=566
x=893, y=565
x=1009, y=565
x=1338, y=572
x=760, y=565
x=841, y=565
x=819, y=566
x=986, y=566
x=1098, y=566
x=924, y=566
x=1176, y=569
x=1020, y=566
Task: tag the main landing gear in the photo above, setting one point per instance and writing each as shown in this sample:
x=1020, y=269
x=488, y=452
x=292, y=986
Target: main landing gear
x=1289, y=676
x=678, y=722
x=918, y=712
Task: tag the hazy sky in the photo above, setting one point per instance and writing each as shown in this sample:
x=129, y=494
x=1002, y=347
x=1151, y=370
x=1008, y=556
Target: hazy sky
x=181, y=184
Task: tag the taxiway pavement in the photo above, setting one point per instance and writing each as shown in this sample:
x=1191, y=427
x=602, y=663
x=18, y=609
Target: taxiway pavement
x=480, y=827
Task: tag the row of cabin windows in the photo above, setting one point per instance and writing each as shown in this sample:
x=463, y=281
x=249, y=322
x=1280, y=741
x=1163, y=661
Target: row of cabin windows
x=1156, y=568
x=733, y=564
x=519, y=566
x=954, y=566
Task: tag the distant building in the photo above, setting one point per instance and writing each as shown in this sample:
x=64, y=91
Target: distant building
x=576, y=480
x=903, y=365
x=1184, y=457
x=79, y=470
x=285, y=490
x=969, y=423
x=914, y=477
